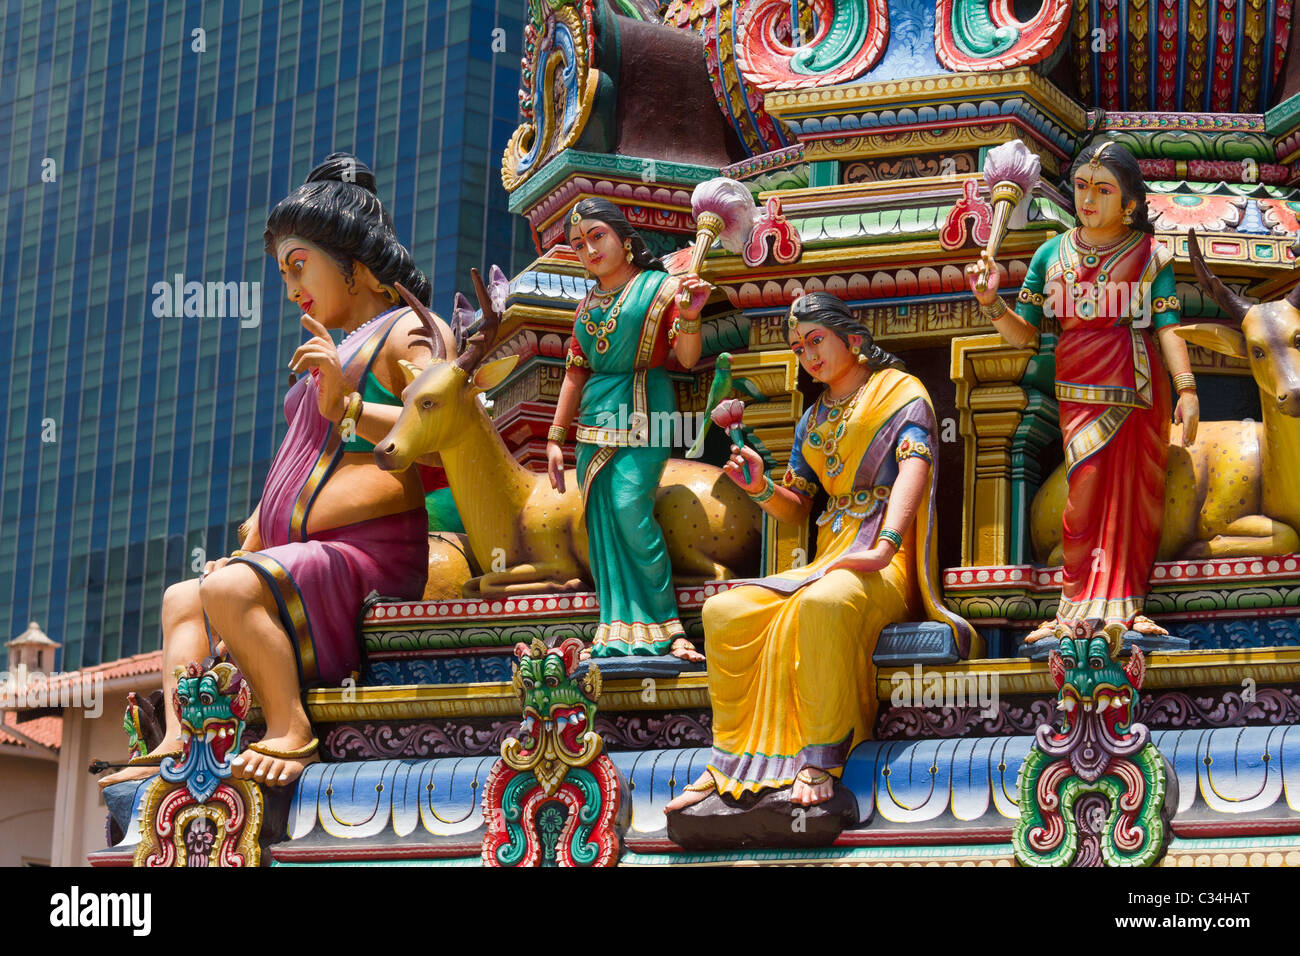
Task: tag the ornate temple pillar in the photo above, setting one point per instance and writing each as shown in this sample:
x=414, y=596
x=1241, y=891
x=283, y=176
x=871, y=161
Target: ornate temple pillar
x=1006, y=425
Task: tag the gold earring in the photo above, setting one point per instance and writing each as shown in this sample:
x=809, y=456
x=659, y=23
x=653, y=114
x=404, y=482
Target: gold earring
x=389, y=293
x=627, y=245
x=1128, y=219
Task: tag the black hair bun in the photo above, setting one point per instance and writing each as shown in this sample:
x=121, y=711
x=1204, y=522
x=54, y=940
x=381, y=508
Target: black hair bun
x=344, y=168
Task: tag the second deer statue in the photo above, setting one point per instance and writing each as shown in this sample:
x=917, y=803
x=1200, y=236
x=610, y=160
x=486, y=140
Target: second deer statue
x=1234, y=492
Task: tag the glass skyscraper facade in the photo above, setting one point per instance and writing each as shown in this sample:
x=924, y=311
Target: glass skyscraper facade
x=144, y=143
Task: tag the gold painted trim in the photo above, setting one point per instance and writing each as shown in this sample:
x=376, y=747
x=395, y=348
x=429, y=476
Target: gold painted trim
x=490, y=699
x=1165, y=670
x=944, y=87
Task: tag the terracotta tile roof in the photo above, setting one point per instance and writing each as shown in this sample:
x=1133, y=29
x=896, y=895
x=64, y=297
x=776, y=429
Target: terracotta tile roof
x=149, y=662
x=46, y=731
x=139, y=665
x=74, y=686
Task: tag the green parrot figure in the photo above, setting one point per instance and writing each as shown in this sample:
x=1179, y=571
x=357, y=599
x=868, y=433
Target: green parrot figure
x=720, y=389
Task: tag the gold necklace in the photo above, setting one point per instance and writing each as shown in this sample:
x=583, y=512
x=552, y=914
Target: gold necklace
x=605, y=327
x=603, y=297
x=837, y=402
x=1088, y=298
x=1084, y=246
x=826, y=437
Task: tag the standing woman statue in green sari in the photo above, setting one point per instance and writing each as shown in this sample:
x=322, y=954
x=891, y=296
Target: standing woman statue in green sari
x=617, y=385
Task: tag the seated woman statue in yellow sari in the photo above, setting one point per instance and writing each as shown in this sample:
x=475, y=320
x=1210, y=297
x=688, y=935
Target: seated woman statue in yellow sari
x=790, y=674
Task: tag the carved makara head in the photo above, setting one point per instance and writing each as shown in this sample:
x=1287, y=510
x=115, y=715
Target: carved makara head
x=1093, y=685
x=559, y=710
x=212, y=700
x=1269, y=338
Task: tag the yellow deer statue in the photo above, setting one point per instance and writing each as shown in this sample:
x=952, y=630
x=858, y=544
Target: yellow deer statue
x=1236, y=490
x=531, y=537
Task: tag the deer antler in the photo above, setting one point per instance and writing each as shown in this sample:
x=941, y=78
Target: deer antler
x=1231, y=303
x=480, y=343
x=435, y=343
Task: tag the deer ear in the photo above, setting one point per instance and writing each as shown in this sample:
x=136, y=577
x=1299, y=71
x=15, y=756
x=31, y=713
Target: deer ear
x=1215, y=337
x=491, y=375
x=410, y=370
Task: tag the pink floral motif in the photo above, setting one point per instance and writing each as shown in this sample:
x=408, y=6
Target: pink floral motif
x=1207, y=213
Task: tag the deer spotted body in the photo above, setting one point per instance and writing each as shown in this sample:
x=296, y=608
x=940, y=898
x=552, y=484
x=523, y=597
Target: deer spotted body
x=1236, y=490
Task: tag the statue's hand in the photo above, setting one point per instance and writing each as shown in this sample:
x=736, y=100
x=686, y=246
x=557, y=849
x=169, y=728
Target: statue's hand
x=983, y=279
x=211, y=566
x=692, y=293
x=738, y=457
x=319, y=354
x=1188, y=413
x=555, y=465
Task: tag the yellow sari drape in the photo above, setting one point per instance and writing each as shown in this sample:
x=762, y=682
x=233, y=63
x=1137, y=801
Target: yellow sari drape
x=790, y=674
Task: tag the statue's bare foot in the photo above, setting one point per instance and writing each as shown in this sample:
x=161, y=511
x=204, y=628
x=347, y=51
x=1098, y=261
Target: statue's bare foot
x=1144, y=625
x=684, y=649
x=692, y=794
x=811, y=787
x=275, y=761
x=1046, y=629
x=143, y=767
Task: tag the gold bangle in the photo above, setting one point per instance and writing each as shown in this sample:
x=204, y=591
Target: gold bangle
x=764, y=493
x=992, y=312
x=349, y=419
x=238, y=553
x=1184, y=382
x=689, y=328
x=558, y=434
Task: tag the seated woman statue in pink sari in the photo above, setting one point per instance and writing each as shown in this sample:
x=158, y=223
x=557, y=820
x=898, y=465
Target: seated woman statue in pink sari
x=331, y=525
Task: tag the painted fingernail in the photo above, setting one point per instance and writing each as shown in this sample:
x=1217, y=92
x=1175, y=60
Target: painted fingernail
x=285, y=775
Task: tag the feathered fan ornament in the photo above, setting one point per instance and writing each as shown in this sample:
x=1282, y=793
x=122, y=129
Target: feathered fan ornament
x=724, y=209
x=1011, y=171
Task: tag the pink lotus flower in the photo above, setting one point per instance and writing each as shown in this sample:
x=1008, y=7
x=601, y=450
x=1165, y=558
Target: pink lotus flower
x=728, y=415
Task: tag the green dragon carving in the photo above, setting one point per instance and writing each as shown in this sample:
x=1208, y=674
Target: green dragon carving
x=558, y=713
x=1098, y=793
x=554, y=799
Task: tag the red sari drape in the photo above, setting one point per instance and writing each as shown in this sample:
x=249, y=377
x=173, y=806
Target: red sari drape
x=1115, y=407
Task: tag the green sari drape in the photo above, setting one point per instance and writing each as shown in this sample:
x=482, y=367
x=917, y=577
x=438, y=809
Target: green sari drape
x=621, y=459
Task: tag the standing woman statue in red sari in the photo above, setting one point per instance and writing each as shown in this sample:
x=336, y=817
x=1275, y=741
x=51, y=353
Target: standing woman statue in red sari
x=1108, y=282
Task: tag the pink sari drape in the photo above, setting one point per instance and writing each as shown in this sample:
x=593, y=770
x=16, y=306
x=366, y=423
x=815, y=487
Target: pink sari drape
x=321, y=579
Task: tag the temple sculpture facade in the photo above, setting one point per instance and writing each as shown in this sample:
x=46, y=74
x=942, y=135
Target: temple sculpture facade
x=889, y=457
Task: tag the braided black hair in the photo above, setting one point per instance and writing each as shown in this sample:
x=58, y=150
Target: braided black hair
x=612, y=216
x=338, y=209
x=829, y=311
